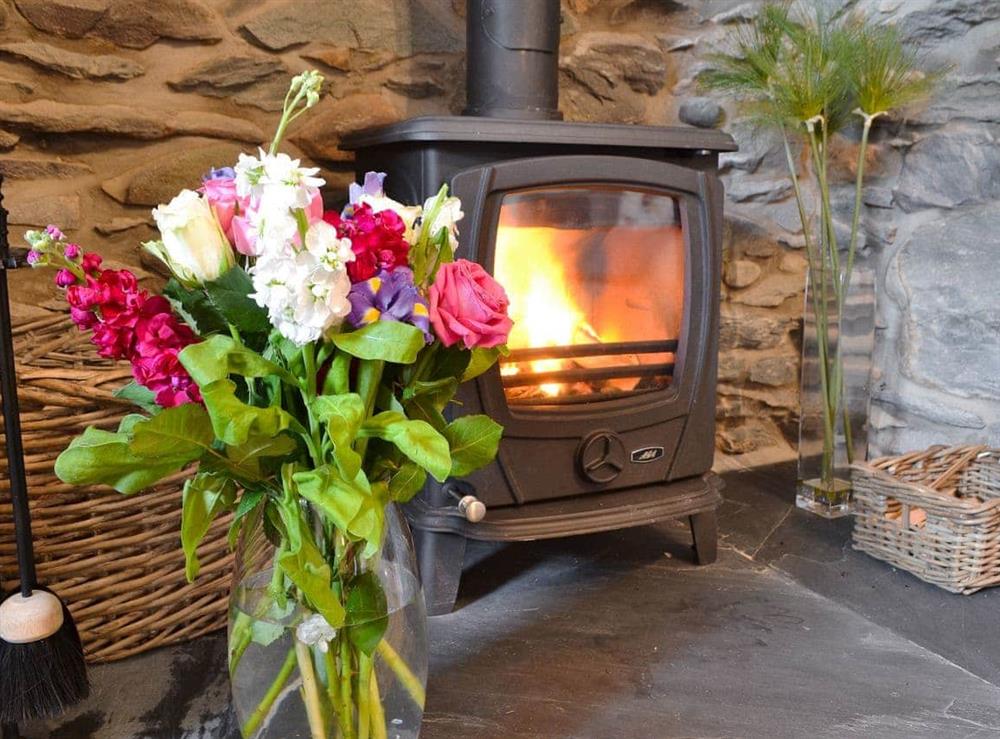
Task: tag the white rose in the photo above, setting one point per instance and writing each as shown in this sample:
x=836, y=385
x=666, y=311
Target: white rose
x=192, y=243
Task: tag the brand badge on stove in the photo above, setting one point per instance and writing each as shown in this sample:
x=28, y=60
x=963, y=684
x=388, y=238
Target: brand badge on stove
x=646, y=454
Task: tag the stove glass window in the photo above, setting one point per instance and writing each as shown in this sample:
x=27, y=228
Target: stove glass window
x=595, y=276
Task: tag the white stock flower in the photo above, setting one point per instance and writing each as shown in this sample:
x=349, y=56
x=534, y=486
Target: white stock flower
x=315, y=631
x=304, y=296
x=324, y=244
x=277, y=178
x=447, y=217
x=192, y=243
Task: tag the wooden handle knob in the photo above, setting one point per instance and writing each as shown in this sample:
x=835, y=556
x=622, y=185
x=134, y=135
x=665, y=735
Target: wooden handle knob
x=27, y=620
x=472, y=508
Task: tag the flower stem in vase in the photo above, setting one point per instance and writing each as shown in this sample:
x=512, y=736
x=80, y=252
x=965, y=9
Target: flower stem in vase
x=310, y=691
x=264, y=707
x=377, y=713
x=364, y=694
x=345, y=686
x=403, y=672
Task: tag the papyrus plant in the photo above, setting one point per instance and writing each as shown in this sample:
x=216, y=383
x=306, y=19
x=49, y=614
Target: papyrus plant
x=811, y=75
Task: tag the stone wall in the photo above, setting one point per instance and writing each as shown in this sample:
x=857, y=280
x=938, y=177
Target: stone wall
x=108, y=107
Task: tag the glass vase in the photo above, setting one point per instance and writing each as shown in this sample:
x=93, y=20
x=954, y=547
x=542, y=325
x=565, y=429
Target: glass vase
x=833, y=425
x=287, y=684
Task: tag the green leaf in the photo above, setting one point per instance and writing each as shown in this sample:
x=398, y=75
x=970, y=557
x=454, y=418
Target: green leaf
x=246, y=457
x=220, y=356
x=450, y=361
x=196, y=308
x=183, y=431
x=416, y=439
x=338, y=376
x=340, y=499
x=99, y=457
x=311, y=574
x=141, y=452
x=247, y=505
x=342, y=416
x=265, y=633
x=389, y=341
x=205, y=497
x=407, y=482
x=481, y=360
x=367, y=612
x=474, y=441
x=230, y=296
x=439, y=392
x=139, y=396
x=386, y=400
x=235, y=422
x=423, y=408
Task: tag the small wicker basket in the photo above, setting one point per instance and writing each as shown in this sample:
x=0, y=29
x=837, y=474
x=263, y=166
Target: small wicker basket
x=934, y=513
x=116, y=560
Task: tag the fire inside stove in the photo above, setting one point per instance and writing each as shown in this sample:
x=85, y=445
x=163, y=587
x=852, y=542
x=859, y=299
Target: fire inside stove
x=595, y=276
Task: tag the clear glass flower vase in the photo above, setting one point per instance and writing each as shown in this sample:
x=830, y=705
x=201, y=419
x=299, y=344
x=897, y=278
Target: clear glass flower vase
x=290, y=680
x=833, y=427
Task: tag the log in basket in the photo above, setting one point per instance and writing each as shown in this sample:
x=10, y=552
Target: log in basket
x=116, y=560
x=934, y=513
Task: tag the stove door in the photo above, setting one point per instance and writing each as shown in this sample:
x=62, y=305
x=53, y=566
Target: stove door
x=609, y=266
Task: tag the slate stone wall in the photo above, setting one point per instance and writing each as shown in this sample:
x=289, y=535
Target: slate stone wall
x=108, y=107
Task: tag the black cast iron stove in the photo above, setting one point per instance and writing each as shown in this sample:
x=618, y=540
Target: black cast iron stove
x=608, y=240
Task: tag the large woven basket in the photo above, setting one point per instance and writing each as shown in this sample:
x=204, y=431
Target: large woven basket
x=116, y=560
x=934, y=513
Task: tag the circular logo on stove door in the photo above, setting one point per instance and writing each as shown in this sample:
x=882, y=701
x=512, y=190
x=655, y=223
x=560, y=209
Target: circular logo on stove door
x=602, y=456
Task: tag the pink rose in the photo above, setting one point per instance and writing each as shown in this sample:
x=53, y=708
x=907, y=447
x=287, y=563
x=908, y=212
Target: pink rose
x=221, y=195
x=314, y=211
x=244, y=237
x=468, y=305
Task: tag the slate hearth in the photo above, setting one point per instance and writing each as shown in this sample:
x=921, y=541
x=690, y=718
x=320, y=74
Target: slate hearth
x=790, y=634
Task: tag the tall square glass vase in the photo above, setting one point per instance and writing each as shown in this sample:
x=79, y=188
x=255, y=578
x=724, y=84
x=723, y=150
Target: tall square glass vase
x=837, y=348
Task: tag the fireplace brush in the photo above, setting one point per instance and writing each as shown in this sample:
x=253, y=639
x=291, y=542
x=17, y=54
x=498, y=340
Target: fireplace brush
x=42, y=669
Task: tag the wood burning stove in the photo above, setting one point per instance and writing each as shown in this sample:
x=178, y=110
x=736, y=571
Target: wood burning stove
x=607, y=238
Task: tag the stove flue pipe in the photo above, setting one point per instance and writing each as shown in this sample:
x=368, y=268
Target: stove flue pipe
x=512, y=59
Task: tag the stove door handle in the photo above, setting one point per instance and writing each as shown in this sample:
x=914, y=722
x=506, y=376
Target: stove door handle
x=471, y=507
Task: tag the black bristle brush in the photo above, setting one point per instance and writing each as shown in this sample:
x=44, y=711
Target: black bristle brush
x=42, y=670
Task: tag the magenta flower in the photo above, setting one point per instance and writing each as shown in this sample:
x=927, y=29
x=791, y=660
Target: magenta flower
x=65, y=278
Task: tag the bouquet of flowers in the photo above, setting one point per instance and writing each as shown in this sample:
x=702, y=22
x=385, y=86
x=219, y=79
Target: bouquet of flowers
x=299, y=362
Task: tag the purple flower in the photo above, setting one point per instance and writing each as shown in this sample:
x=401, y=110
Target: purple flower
x=389, y=296
x=54, y=232
x=72, y=251
x=34, y=257
x=65, y=278
x=222, y=173
x=372, y=187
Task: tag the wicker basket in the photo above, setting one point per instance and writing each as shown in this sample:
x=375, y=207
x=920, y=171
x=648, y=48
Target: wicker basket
x=116, y=560
x=934, y=513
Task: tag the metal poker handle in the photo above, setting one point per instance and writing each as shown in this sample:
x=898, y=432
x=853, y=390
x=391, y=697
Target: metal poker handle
x=12, y=419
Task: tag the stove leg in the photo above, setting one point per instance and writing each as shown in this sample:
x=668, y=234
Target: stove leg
x=705, y=532
x=439, y=557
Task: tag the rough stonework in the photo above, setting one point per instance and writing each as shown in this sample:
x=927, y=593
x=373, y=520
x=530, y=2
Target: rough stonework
x=108, y=107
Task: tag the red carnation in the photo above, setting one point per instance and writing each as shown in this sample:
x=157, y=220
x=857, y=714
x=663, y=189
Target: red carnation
x=376, y=239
